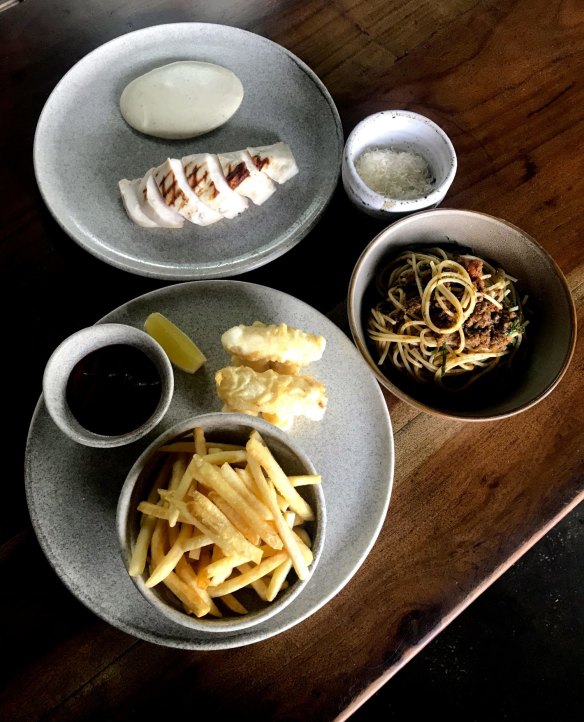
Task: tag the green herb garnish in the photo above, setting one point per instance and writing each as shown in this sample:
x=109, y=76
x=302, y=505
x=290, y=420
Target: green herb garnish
x=443, y=350
x=516, y=326
x=444, y=354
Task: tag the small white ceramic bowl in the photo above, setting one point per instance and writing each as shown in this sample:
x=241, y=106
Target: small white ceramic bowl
x=228, y=428
x=400, y=130
x=77, y=347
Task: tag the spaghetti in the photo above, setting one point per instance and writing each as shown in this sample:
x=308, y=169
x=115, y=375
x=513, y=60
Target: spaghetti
x=445, y=317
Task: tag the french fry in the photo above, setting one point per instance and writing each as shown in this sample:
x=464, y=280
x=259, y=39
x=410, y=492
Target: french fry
x=224, y=483
x=225, y=457
x=284, y=530
x=268, y=551
x=140, y=551
x=259, y=585
x=282, y=503
x=249, y=496
x=233, y=603
x=226, y=447
x=197, y=541
x=179, y=467
x=181, y=490
x=217, y=553
x=302, y=534
x=280, y=573
x=230, y=509
x=212, y=522
x=200, y=441
x=157, y=510
x=170, y=559
x=159, y=542
x=203, y=578
x=186, y=594
x=189, y=596
x=147, y=523
x=246, y=477
x=199, y=446
x=278, y=578
x=218, y=571
x=173, y=532
x=255, y=573
x=263, y=456
x=185, y=572
x=305, y=550
x=238, y=521
x=304, y=479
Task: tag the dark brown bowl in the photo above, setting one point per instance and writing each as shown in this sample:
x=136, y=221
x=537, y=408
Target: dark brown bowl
x=550, y=338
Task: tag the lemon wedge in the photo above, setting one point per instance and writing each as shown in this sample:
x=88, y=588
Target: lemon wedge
x=180, y=349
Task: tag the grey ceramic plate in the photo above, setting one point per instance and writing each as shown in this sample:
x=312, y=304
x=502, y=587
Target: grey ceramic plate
x=73, y=490
x=83, y=147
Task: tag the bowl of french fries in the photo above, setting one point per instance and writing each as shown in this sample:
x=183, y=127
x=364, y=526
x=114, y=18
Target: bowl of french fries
x=221, y=521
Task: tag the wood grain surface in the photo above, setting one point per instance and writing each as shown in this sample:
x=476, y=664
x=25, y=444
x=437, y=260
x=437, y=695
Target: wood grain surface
x=504, y=79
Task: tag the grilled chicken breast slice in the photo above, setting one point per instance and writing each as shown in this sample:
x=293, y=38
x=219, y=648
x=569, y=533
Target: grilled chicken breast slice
x=205, y=177
x=275, y=160
x=131, y=200
x=178, y=194
x=153, y=203
x=244, y=178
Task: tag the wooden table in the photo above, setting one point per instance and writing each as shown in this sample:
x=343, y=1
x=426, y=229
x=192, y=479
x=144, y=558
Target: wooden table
x=505, y=81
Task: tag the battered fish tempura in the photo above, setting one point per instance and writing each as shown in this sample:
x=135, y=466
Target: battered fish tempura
x=281, y=348
x=278, y=398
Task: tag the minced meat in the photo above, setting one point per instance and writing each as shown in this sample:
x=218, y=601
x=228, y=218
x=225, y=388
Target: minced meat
x=474, y=268
x=486, y=329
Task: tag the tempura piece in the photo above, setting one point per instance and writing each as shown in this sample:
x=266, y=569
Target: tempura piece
x=279, y=398
x=281, y=348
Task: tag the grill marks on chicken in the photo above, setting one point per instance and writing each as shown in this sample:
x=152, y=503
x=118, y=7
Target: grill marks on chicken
x=204, y=188
x=235, y=174
x=205, y=177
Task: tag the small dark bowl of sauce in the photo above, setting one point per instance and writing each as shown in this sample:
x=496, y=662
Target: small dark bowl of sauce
x=108, y=385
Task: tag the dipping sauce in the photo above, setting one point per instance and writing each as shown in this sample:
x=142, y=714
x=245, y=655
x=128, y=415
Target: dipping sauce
x=114, y=390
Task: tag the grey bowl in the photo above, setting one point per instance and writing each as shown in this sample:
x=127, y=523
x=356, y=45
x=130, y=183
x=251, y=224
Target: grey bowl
x=551, y=334
x=77, y=346
x=229, y=428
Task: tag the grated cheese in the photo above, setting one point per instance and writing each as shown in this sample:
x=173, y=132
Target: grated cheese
x=395, y=174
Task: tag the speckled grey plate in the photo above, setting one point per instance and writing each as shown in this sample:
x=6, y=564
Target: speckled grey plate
x=72, y=490
x=83, y=147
